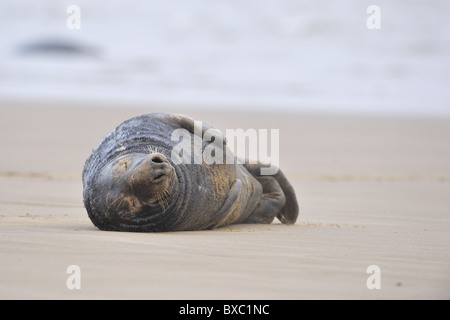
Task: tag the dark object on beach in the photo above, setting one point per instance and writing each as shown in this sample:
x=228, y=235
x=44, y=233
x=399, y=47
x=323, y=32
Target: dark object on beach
x=133, y=182
x=55, y=46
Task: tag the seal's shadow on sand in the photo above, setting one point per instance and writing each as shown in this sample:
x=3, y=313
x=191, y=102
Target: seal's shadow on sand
x=241, y=228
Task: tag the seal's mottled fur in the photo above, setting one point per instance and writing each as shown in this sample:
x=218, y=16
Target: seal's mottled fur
x=131, y=183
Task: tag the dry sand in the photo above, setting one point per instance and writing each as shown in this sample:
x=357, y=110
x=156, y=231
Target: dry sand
x=372, y=191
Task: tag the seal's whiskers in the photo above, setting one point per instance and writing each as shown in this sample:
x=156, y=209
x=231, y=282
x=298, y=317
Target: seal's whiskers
x=163, y=197
x=151, y=150
x=112, y=203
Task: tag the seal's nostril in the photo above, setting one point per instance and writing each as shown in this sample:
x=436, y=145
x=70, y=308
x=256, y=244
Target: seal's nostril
x=157, y=159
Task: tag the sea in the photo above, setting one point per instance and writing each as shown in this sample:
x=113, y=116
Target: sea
x=287, y=56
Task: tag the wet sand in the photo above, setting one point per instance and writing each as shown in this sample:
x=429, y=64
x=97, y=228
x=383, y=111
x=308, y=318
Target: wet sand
x=372, y=191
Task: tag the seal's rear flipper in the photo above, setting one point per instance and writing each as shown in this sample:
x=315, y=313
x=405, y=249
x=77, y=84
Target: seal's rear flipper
x=289, y=212
x=271, y=203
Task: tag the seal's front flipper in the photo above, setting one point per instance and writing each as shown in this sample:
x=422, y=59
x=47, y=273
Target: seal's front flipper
x=223, y=213
x=189, y=123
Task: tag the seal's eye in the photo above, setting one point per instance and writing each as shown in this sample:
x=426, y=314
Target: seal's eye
x=122, y=165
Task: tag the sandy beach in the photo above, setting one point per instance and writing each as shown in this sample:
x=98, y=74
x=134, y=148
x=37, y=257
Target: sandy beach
x=372, y=191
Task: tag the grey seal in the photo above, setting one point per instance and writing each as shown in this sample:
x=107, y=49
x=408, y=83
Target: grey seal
x=132, y=182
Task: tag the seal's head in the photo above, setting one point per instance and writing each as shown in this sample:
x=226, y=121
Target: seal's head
x=133, y=188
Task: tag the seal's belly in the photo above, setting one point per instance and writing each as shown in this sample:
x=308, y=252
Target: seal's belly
x=220, y=195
